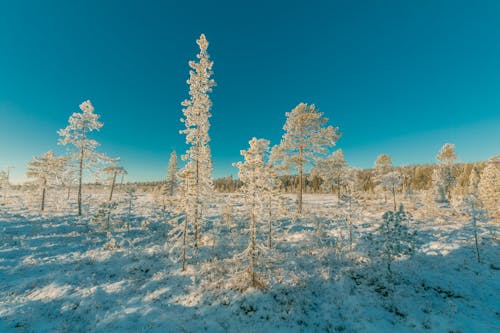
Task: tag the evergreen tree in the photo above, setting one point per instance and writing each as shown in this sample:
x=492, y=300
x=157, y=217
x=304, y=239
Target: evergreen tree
x=383, y=165
x=332, y=170
x=392, y=182
x=444, y=177
x=474, y=179
x=489, y=190
x=196, y=119
x=76, y=134
x=393, y=238
x=305, y=139
x=46, y=170
x=258, y=181
x=114, y=171
x=171, y=174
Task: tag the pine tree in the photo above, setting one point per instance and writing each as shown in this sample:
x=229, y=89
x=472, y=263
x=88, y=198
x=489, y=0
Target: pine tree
x=76, y=134
x=258, y=182
x=196, y=119
x=332, y=170
x=474, y=179
x=392, y=181
x=46, y=170
x=383, y=164
x=393, y=237
x=171, y=174
x=113, y=171
x=446, y=158
x=305, y=139
x=489, y=190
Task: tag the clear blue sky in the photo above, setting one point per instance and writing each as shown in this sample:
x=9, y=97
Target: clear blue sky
x=397, y=77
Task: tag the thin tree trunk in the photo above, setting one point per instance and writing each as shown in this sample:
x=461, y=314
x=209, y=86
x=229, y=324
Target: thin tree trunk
x=184, y=245
x=299, y=192
x=252, y=244
x=474, y=226
x=394, y=197
x=338, y=189
x=43, y=194
x=270, y=221
x=80, y=183
x=197, y=190
x=112, y=187
x=184, y=233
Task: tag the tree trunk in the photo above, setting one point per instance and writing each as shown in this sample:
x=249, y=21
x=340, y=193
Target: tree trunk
x=299, y=192
x=184, y=245
x=270, y=221
x=80, y=183
x=394, y=196
x=43, y=194
x=338, y=188
x=112, y=187
x=252, y=245
x=197, y=190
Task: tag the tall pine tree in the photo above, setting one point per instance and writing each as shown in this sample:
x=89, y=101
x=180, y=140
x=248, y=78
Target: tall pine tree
x=196, y=119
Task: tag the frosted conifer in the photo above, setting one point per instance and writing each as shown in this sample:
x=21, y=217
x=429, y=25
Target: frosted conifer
x=489, y=190
x=171, y=174
x=85, y=154
x=444, y=176
x=306, y=138
x=196, y=119
x=258, y=181
x=332, y=170
x=46, y=170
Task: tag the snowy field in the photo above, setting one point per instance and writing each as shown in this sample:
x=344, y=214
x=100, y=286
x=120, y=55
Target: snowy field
x=62, y=273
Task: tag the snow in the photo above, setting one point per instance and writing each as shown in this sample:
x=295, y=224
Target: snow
x=57, y=276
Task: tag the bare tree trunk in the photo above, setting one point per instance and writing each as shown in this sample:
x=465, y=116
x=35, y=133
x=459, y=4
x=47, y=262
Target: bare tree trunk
x=197, y=190
x=299, y=192
x=112, y=187
x=184, y=233
x=270, y=220
x=252, y=244
x=80, y=183
x=394, y=196
x=474, y=226
x=43, y=194
x=338, y=189
x=184, y=245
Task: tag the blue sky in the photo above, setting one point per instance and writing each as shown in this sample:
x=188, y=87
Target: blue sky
x=397, y=77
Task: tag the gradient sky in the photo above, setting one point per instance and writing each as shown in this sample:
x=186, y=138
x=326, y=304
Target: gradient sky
x=397, y=77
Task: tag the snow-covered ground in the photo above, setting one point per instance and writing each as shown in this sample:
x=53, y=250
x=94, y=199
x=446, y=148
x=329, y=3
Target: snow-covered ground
x=58, y=273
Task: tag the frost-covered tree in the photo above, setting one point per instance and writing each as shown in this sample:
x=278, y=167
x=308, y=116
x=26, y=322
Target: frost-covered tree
x=113, y=171
x=4, y=184
x=489, y=190
x=46, y=170
x=393, y=238
x=392, y=182
x=306, y=138
x=172, y=174
x=383, y=164
x=444, y=177
x=85, y=153
x=332, y=170
x=473, y=182
x=196, y=119
x=131, y=197
x=258, y=180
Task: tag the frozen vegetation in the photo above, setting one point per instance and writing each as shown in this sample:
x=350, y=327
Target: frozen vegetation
x=390, y=249
x=63, y=273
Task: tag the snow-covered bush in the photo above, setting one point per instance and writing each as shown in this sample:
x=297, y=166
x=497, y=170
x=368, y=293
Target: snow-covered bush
x=393, y=238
